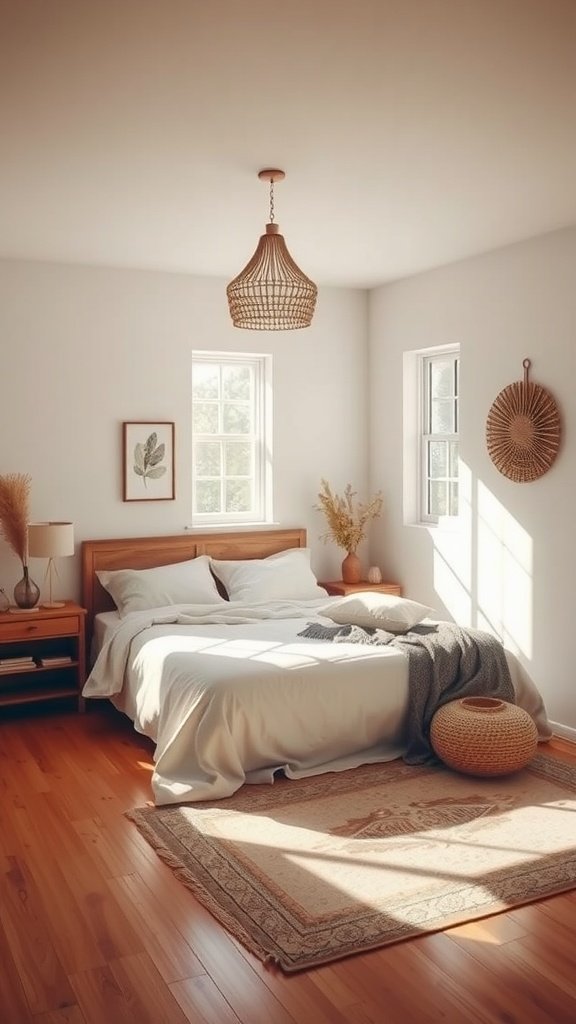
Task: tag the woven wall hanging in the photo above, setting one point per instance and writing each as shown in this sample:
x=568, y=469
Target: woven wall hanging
x=523, y=430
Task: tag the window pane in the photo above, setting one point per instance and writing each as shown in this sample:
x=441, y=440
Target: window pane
x=437, y=459
x=207, y=458
x=237, y=458
x=238, y=495
x=204, y=418
x=437, y=496
x=443, y=417
x=438, y=420
x=236, y=382
x=236, y=419
x=442, y=378
x=231, y=420
x=205, y=381
x=207, y=496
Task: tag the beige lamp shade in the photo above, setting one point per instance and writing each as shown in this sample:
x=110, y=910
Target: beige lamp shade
x=51, y=540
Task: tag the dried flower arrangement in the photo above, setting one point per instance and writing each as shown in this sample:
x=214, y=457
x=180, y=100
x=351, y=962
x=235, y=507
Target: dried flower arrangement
x=14, y=514
x=346, y=518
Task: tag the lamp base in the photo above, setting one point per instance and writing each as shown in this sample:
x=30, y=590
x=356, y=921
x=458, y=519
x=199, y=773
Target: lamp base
x=53, y=604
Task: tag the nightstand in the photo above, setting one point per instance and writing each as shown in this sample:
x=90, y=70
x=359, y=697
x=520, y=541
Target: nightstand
x=340, y=589
x=42, y=655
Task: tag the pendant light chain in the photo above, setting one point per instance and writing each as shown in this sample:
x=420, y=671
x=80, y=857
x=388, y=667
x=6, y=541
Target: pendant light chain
x=271, y=200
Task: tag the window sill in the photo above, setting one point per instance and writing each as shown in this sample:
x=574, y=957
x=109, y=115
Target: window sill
x=444, y=526
x=231, y=527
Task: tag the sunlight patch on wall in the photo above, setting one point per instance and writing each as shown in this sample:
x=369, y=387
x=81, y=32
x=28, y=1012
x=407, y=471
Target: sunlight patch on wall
x=453, y=581
x=483, y=567
x=504, y=588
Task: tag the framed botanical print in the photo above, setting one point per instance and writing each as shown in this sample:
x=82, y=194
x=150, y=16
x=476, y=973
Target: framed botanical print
x=148, y=461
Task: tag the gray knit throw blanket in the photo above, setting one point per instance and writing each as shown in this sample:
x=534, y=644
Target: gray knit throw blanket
x=445, y=662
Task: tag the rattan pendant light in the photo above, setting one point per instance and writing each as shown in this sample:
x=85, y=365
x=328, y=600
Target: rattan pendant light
x=271, y=293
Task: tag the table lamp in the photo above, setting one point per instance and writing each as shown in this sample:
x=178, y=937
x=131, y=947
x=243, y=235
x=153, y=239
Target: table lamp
x=51, y=540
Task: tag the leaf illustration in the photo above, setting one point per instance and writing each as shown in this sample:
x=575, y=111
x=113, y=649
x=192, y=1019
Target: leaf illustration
x=157, y=455
x=139, y=455
x=147, y=457
x=151, y=443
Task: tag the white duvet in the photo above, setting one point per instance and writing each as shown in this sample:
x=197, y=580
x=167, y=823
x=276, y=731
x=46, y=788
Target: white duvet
x=234, y=695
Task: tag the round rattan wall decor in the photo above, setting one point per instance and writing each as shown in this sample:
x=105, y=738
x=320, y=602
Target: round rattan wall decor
x=523, y=430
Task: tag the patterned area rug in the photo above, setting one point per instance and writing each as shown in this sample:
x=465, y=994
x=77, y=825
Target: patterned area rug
x=306, y=872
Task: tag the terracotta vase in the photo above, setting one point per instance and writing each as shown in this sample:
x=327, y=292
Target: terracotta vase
x=351, y=568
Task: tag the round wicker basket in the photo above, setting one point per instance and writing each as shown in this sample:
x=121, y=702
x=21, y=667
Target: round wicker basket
x=483, y=736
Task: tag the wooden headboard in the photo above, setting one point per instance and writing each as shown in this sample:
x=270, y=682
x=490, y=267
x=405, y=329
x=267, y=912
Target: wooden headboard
x=147, y=552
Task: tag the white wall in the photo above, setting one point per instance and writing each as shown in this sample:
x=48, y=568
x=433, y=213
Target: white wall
x=85, y=348
x=511, y=566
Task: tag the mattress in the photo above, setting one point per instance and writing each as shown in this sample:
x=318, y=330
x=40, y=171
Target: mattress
x=105, y=624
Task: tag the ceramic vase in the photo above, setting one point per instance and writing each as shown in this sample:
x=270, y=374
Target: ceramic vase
x=374, y=574
x=351, y=568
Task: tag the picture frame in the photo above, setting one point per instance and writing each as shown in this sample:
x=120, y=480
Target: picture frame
x=148, y=460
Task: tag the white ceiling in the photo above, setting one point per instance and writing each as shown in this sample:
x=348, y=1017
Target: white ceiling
x=412, y=132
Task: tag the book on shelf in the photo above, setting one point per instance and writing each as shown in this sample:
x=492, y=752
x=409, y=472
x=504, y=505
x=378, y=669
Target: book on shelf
x=25, y=659
x=57, y=659
x=27, y=666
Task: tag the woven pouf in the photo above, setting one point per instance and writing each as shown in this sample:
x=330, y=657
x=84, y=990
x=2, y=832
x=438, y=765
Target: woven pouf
x=483, y=736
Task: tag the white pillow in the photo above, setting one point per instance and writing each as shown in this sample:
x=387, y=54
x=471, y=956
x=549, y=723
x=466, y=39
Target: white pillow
x=381, y=611
x=189, y=582
x=285, y=576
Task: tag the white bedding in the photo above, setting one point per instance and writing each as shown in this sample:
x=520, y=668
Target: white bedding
x=233, y=695
x=105, y=624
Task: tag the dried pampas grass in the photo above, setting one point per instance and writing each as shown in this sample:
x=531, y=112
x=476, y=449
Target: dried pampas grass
x=14, y=503
x=346, y=518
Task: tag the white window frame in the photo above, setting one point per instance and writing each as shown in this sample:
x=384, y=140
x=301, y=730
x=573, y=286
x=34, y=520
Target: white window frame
x=261, y=438
x=425, y=435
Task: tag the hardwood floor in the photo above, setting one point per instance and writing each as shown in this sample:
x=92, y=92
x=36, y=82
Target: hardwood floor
x=95, y=929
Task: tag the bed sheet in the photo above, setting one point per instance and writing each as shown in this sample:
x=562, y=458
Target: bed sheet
x=229, y=702
x=105, y=624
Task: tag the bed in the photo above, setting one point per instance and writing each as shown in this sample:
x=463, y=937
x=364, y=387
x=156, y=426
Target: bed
x=229, y=691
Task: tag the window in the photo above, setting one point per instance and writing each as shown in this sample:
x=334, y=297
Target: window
x=231, y=438
x=439, y=435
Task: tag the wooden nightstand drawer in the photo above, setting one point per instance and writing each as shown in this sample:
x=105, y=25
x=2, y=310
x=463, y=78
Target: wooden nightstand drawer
x=64, y=625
